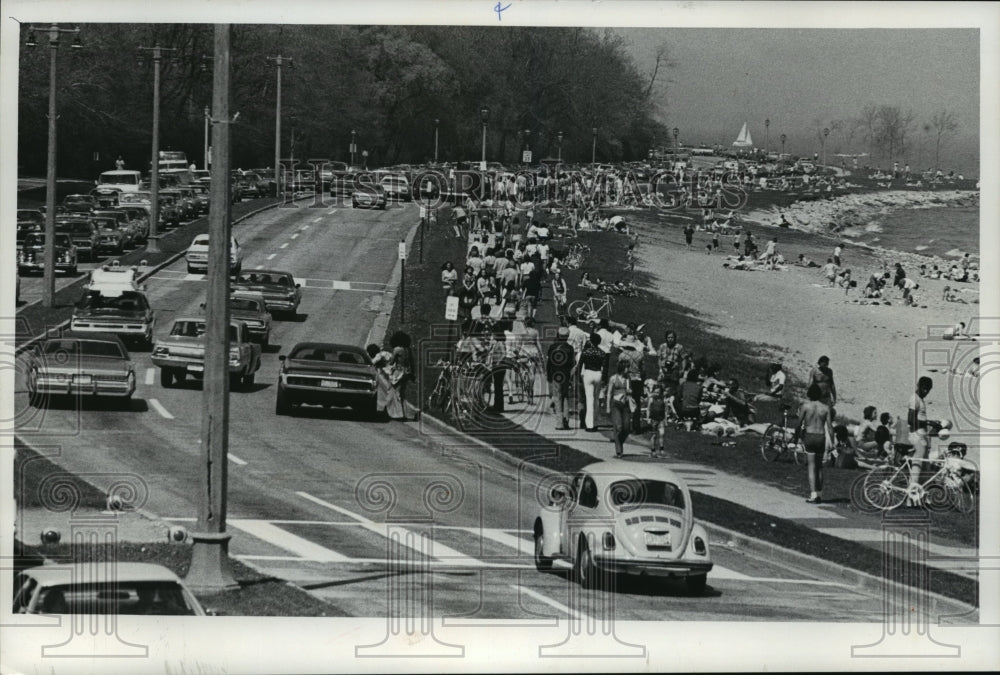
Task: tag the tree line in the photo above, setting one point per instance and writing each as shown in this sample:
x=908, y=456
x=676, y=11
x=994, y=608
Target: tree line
x=387, y=83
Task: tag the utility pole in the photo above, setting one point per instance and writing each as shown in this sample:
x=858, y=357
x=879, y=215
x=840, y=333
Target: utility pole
x=208, y=115
x=210, y=569
x=152, y=241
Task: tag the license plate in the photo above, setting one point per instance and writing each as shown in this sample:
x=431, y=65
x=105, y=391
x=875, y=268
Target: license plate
x=83, y=379
x=658, y=539
x=196, y=368
x=330, y=384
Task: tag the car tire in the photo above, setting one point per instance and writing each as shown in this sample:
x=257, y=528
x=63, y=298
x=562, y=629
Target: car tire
x=354, y=203
x=248, y=379
x=281, y=403
x=584, y=572
x=542, y=563
x=166, y=377
x=266, y=342
x=234, y=381
x=190, y=269
x=696, y=583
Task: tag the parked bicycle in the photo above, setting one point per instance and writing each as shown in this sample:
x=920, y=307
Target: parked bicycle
x=591, y=308
x=888, y=486
x=781, y=443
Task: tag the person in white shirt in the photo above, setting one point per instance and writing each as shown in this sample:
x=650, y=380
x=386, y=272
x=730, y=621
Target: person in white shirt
x=776, y=382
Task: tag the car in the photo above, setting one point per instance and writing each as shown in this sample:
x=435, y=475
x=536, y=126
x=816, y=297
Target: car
x=111, y=237
x=24, y=229
x=126, y=588
x=251, y=309
x=197, y=255
x=369, y=196
x=79, y=203
x=129, y=229
x=138, y=221
x=30, y=216
x=619, y=517
x=280, y=290
x=397, y=188
x=199, y=174
x=106, y=197
x=31, y=257
x=170, y=210
x=82, y=233
x=122, y=180
x=327, y=374
x=182, y=352
x=187, y=209
x=114, y=303
x=202, y=196
x=79, y=364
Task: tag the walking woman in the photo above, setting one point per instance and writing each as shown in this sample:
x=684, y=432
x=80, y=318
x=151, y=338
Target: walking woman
x=401, y=367
x=617, y=405
x=814, y=427
x=591, y=365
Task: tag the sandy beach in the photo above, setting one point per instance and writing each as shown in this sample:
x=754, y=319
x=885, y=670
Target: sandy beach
x=873, y=349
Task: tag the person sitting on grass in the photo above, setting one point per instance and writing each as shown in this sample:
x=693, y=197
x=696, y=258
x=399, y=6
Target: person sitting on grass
x=804, y=261
x=737, y=405
x=873, y=289
x=776, y=384
x=951, y=296
x=866, y=431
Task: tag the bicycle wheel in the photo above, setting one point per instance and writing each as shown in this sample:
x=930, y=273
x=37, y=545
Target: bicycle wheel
x=962, y=497
x=578, y=309
x=799, y=453
x=885, y=487
x=772, y=447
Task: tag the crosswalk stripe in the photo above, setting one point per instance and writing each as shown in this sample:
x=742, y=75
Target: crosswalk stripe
x=272, y=534
x=150, y=375
x=517, y=543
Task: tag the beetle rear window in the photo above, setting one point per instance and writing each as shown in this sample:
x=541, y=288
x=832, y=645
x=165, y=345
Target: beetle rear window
x=633, y=493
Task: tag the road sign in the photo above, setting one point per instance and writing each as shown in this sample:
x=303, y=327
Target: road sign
x=354, y=147
x=526, y=157
x=402, y=250
x=451, y=308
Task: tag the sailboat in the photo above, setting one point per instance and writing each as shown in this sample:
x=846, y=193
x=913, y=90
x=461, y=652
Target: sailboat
x=743, y=140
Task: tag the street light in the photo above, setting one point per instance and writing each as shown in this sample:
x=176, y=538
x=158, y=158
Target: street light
x=152, y=245
x=783, y=137
x=49, y=286
x=353, y=147
x=527, y=142
x=593, y=147
x=278, y=61
x=484, y=115
x=767, y=138
x=436, y=122
x=826, y=132
x=560, y=137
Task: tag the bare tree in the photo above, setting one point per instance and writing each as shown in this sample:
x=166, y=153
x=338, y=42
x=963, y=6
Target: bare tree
x=868, y=121
x=943, y=123
x=892, y=129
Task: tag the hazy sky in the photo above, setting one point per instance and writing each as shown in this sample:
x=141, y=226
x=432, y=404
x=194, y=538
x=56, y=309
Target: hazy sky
x=724, y=76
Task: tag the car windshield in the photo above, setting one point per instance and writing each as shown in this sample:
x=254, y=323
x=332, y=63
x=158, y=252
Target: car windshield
x=28, y=215
x=38, y=239
x=135, y=597
x=263, y=278
x=635, y=492
x=188, y=328
x=76, y=228
x=120, y=179
x=128, y=301
x=330, y=354
x=109, y=223
x=78, y=199
x=245, y=305
x=102, y=348
x=135, y=198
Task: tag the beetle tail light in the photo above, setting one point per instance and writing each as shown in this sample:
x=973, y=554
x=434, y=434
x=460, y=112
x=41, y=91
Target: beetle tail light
x=609, y=541
x=699, y=546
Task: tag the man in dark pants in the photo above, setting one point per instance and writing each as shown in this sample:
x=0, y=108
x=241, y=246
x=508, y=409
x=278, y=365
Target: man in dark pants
x=498, y=365
x=559, y=371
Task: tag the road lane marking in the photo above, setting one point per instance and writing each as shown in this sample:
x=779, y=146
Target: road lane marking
x=550, y=602
x=522, y=546
x=341, y=285
x=150, y=375
x=317, y=219
x=236, y=460
x=155, y=405
x=272, y=534
x=437, y=549
x=285, y=245
x=295, y=236
x=304, y=227
x=272, y=256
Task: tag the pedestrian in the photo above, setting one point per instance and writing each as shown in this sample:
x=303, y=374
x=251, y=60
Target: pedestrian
x=668, y=358
x=401, y=366
x=916, y=421
x=559, y=293
x=633, y=353
x=815, y=427
x=559, y=366
x=688, y=234
x=830, y=272
x=771, y=252
x=386, y=396
x=822, y=376
x=591, y=364
x=837, y=250
x=498, y=365
x=618, y=406
x=119, y=163
x=715, y=239
x=657, y=414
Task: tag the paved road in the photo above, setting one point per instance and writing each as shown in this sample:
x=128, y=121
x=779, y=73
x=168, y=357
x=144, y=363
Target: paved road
x=375, y=517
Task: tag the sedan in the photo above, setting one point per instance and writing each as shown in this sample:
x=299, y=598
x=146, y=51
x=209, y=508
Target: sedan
x=31, y=256
x=280, y=290
x=618, y=517
x=197, y=255
x=84, y=365
x=92, y=588
x=251, y=309
x=320, y=373
x=80, y=203
x=369, y=197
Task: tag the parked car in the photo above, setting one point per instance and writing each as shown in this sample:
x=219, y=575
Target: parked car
x=79, y=364
x=79, y=203
x=82, y=233
x=327, y=374
x=621, y=518
x=369, y=196
x=280, y=290
x=197, y=255
x=182, y=352
x=31, y=257
x=93, y=588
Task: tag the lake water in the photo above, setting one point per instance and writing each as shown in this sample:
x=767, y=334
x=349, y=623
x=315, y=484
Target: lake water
x=942, y=231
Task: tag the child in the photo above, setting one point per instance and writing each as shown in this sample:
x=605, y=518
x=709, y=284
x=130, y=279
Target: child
x=830, y=271
x=715, y=239
x=883, y=435
x=657, y=415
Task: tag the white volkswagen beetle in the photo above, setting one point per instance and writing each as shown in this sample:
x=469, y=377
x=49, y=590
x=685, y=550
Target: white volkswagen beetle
x=618, y=517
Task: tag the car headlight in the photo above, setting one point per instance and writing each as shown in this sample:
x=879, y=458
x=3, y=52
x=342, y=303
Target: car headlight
x=699, y=546
x=234, y=356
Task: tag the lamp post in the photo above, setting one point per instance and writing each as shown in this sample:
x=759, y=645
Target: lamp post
x=364, y=157
x=49, y=286
x=826, y=132
x=560, y=137
x=436, y=123
x=767, y=137
x=208, y=116
x=152, y=244
x=278, y=61
x=527, y=142
x=353, y=147
x=677, y=132
x=593, y=146
x=484, y=116
x=783, y=137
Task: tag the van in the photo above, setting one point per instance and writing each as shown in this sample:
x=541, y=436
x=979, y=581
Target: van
x=122, y=180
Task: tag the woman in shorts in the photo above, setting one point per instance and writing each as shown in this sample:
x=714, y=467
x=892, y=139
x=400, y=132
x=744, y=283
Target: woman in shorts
x=814, y=428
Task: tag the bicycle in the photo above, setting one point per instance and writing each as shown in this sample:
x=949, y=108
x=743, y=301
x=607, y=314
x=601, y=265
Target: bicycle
x=779, y=442
x=591, y=308
x=888, y=486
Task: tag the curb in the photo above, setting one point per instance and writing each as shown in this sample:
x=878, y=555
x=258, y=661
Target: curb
x=20, y=349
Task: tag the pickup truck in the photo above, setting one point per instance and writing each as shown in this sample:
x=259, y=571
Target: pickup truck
x=182, y=353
